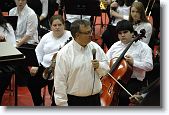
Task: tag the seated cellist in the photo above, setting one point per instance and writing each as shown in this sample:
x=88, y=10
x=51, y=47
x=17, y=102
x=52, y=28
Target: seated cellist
x=139, y=55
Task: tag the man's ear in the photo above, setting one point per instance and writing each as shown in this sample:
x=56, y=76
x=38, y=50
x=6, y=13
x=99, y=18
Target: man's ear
x=76, y=35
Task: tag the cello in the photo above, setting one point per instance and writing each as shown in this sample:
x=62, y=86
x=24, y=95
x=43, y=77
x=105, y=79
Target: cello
x=120, y=71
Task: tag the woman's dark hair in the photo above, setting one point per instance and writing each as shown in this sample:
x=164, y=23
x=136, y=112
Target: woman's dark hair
x=3, y=22
x=124, y=25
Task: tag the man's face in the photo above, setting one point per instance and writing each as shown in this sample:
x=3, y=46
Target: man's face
x=84, y=35
x=125, y=36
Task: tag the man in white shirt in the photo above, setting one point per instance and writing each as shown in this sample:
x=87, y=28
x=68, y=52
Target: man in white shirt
x=26, y=35
x=139, y=55
x=81, y=65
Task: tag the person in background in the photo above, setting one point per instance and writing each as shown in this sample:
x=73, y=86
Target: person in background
x=150, y=96
x=82, y=63
x=139, y=20
x=139, y=55
x=41, y=9
x=6, y=71
x=119, y=10
x=26, y=31
x=45, y=9
x=26, y=35
x=50, y=44
x=6, y=31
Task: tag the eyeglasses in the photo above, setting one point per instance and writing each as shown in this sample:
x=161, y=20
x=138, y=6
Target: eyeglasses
x=86, y=33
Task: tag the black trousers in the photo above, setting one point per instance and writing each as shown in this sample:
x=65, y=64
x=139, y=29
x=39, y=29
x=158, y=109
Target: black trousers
x=93, y=100
x=133, y=86
x=36, y=83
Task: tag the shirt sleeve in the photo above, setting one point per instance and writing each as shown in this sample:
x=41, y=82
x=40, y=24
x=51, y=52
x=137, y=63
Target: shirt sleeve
x=32, y=25
x=11, y=36
x=103, y=63
x=148, y=28
x=146, y=62
x=39, y=50
x=60, y=78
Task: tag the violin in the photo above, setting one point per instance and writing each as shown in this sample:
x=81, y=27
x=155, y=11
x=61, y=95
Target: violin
x=120, y=71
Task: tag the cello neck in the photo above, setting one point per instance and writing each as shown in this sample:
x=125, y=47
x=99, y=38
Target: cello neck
x=120, y=57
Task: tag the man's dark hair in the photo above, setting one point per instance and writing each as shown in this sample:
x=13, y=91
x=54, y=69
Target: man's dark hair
x=124, y=25
x=75, y=26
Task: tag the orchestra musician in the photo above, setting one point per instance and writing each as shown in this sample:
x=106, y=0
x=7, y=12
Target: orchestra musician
x=26, y=31
x=139, y=20
x=139, y=55
x=119, y=10
x=26, y=35
x=81, y=62
x=50, y=44
x=42, y=10
x=148, y=97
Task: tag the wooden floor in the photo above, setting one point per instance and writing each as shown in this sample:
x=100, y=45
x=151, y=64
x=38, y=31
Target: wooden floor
x=24, y=96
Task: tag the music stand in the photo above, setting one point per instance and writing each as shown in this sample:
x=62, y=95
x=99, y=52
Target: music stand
x=9, y=53
x=12, y=20
x=83, y=7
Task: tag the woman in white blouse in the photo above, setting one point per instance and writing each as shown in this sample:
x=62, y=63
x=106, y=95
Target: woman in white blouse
x=138, y=17
x=50, y=44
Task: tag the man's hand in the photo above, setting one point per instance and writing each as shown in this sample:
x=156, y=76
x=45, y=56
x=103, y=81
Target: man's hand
x=95, y=63
x=135, y=99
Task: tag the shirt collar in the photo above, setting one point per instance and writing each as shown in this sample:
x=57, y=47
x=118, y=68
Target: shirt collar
x=24, y=9
x=78, y=46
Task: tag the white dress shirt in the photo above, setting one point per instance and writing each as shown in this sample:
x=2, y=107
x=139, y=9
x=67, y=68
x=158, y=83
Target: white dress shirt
x=141, y=53
x=148, y=28
x=9, y=35
x=74, y=73
x=49, y=45
x=26, y=25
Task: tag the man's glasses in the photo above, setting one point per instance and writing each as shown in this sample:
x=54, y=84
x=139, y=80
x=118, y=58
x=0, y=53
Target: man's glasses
x=86, y=33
